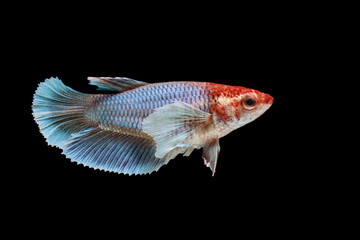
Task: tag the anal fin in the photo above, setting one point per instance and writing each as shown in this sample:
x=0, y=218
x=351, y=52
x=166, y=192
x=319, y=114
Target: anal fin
x=114, y=152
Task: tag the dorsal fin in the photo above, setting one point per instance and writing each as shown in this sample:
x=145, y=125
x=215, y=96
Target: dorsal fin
x=117, y=84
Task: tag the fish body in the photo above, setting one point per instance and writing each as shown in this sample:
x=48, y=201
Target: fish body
x=142, y=126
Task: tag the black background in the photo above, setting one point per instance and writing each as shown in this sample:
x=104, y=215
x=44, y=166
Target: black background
x=261, y=176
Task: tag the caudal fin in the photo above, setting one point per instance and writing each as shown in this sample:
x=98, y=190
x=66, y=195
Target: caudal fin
x=59, y=111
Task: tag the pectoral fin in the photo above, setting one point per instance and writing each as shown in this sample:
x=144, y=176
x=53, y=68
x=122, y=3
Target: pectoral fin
x=210, y=154
x=169, y=126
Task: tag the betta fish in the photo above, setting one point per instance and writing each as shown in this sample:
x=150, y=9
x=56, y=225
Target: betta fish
x=141, y=126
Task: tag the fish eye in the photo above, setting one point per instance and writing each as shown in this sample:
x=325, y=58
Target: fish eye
x=249, y=102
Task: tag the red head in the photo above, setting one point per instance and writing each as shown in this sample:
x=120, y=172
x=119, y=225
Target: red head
x=234, y=107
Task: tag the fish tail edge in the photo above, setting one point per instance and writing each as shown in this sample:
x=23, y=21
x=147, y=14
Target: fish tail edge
x=59, y=111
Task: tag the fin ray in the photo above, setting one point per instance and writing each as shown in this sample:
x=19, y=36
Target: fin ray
x=210, y=154
x=59, y=111
x=114, y=152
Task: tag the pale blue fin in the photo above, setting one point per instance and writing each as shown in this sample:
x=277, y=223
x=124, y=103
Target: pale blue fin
x=210, y=154
x=59, y=111
x=114, y=152
x=172, y=124
x=118, y=84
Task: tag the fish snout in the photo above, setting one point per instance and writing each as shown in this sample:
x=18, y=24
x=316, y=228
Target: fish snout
x=268, y=99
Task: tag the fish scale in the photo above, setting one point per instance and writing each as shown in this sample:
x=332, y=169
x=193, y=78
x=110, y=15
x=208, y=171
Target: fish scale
x=128, y=110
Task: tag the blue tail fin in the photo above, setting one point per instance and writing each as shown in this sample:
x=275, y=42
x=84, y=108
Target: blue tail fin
x=59, y=111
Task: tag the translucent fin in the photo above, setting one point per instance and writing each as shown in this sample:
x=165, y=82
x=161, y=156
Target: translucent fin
x=171, y=124
x=210, y=154
x=114, y=152
x=188, y=151
x=118, y=84
x=59, y=111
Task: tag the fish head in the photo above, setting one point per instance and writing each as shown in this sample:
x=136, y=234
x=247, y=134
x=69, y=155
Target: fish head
x=251, y=105
x=236, y=106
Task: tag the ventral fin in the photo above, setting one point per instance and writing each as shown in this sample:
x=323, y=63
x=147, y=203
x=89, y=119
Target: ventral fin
x=210, y=154
x=117, y=84
x=172, y=124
